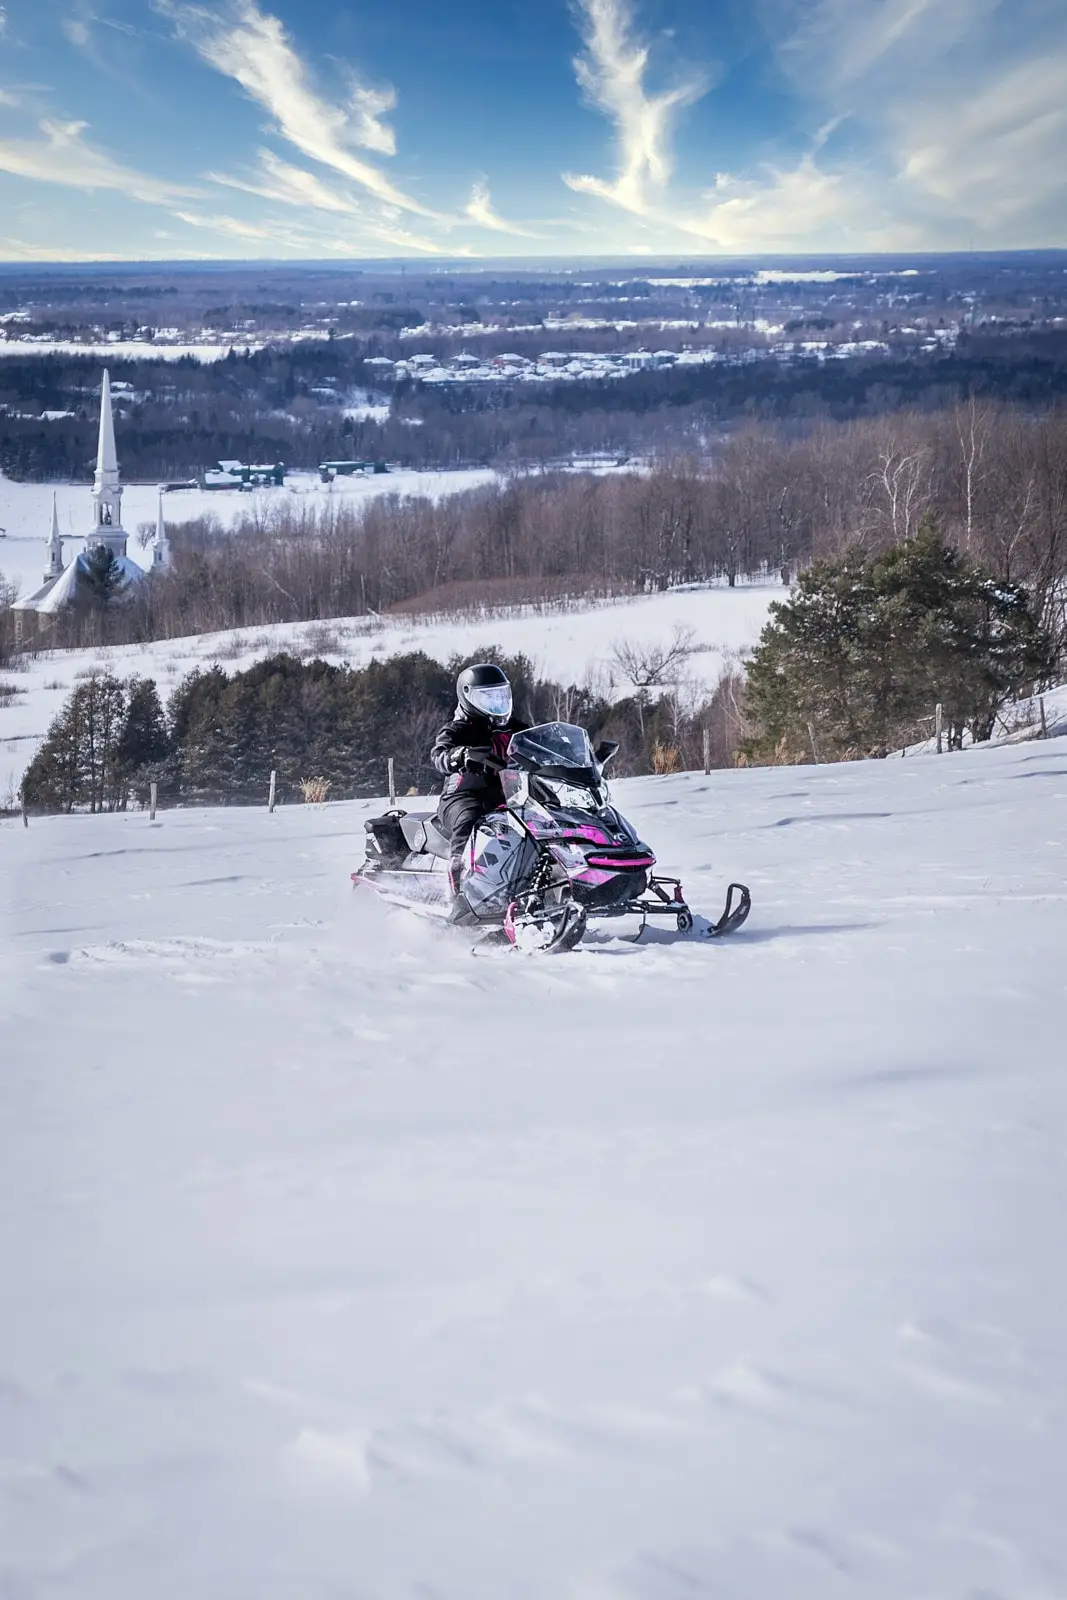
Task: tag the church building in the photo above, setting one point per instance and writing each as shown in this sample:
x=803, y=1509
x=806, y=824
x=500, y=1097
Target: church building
x=68, y=584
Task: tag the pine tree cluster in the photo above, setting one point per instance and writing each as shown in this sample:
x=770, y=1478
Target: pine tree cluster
x=222, y=736
x=867, y=645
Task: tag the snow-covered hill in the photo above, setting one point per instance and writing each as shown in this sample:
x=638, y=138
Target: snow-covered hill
x=568, y=646
x=335, y=1261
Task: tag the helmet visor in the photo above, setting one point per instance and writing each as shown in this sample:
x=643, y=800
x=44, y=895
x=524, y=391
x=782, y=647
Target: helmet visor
x=493, y=702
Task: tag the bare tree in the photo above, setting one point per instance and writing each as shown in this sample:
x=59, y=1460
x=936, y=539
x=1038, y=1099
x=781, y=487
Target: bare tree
x=902, y=478
x=651, y=665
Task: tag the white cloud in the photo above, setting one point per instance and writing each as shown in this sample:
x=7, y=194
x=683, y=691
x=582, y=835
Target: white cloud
x=479, y=209
x=251, y=47
x=76, y=31
x=793, y=208
x=222, y=224
x=285, y=184
x=20, y=250
x=64, y=156
x=994, y=156
x=612, y=74
x=956, y=119
x=960, y=103
x=829, y=45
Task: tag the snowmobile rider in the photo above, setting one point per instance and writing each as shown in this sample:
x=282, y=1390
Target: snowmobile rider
x=482, y=727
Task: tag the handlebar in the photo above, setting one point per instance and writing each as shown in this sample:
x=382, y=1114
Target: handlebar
x=484, y=758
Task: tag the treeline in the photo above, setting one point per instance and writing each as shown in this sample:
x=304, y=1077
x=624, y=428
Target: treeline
x=219, y=738
x=993, y=477
x=288, y=402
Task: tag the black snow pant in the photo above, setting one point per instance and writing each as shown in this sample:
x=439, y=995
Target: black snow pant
x=459, y=814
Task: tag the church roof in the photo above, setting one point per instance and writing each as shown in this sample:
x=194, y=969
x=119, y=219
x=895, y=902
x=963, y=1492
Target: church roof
x=64, y=592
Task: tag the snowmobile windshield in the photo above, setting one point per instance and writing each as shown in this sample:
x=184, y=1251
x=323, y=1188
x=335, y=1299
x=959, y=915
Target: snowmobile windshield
x=573, y=796
x=558, y=748
x=494, y=701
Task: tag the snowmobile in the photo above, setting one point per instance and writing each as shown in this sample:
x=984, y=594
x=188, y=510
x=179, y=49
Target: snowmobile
x=537, y=870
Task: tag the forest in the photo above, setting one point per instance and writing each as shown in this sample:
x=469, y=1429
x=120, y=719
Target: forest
x=289, y=403
x=992, y=475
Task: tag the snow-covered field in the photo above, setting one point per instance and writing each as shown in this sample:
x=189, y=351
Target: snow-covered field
x=335, y=1261
x=122, y=349
x=568, y=645
x=26, y=509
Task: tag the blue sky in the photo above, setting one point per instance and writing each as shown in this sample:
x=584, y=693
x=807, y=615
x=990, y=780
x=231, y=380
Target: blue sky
x=300, y=128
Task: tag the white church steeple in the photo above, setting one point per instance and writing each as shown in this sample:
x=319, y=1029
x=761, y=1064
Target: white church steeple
x=160, y=544
x=54, y=569
x=107, y=490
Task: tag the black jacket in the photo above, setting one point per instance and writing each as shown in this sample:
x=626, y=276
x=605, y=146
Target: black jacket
x=469, y=731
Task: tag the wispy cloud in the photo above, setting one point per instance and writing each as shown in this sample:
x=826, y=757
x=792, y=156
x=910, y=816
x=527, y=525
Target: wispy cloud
x=479, y=209
x=284, y=184
x=22, y=250
x=612, y=74
x=252, y=47
x=997, y=153
x=217, y=223
x=64, y=156
x=956, y=114
x=961, y=104
x=829, y=45
x=785, y=208
x=76, y=31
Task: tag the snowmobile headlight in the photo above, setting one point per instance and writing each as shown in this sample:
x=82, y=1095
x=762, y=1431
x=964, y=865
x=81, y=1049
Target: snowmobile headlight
x=570, y=856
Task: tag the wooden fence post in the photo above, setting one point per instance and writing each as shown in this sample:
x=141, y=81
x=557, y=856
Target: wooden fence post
x=814, y=746
x=392, y=784
x=153, y=796
x=273, y=791
x=707, y=751
x=1041, y=711
x=938, y=723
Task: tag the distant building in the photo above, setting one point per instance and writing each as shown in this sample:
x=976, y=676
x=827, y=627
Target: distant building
x=69, y=584
x=240, y=475
x=328, y=470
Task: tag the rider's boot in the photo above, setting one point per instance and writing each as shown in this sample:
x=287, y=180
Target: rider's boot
x=455, y=875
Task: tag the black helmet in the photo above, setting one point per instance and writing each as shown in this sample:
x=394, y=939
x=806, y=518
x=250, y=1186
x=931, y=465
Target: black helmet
x=484, y=691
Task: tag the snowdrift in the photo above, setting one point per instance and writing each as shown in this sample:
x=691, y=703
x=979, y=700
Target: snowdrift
x=336, y=1261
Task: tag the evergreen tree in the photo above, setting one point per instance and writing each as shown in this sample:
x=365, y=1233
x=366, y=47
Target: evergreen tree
x=78, y=763
x=867, y=645
x=143, y=749
x=103, y=576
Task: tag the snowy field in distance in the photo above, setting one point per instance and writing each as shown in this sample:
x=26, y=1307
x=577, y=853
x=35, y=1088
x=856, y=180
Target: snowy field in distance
x=334, y=1261
x=571, y=646
x=26, y=508
x=121, y=349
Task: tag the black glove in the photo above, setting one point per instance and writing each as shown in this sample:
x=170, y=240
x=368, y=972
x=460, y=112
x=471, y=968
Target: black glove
x=457, y=758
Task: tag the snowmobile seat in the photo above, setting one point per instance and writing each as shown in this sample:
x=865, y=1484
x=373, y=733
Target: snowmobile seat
x=422, y=834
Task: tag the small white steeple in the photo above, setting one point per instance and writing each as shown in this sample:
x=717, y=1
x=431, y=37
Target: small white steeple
x=54, y=569
x=107, y=491
x=160, y=544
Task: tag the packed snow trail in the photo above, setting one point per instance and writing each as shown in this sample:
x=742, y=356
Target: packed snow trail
x=336, y=1262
